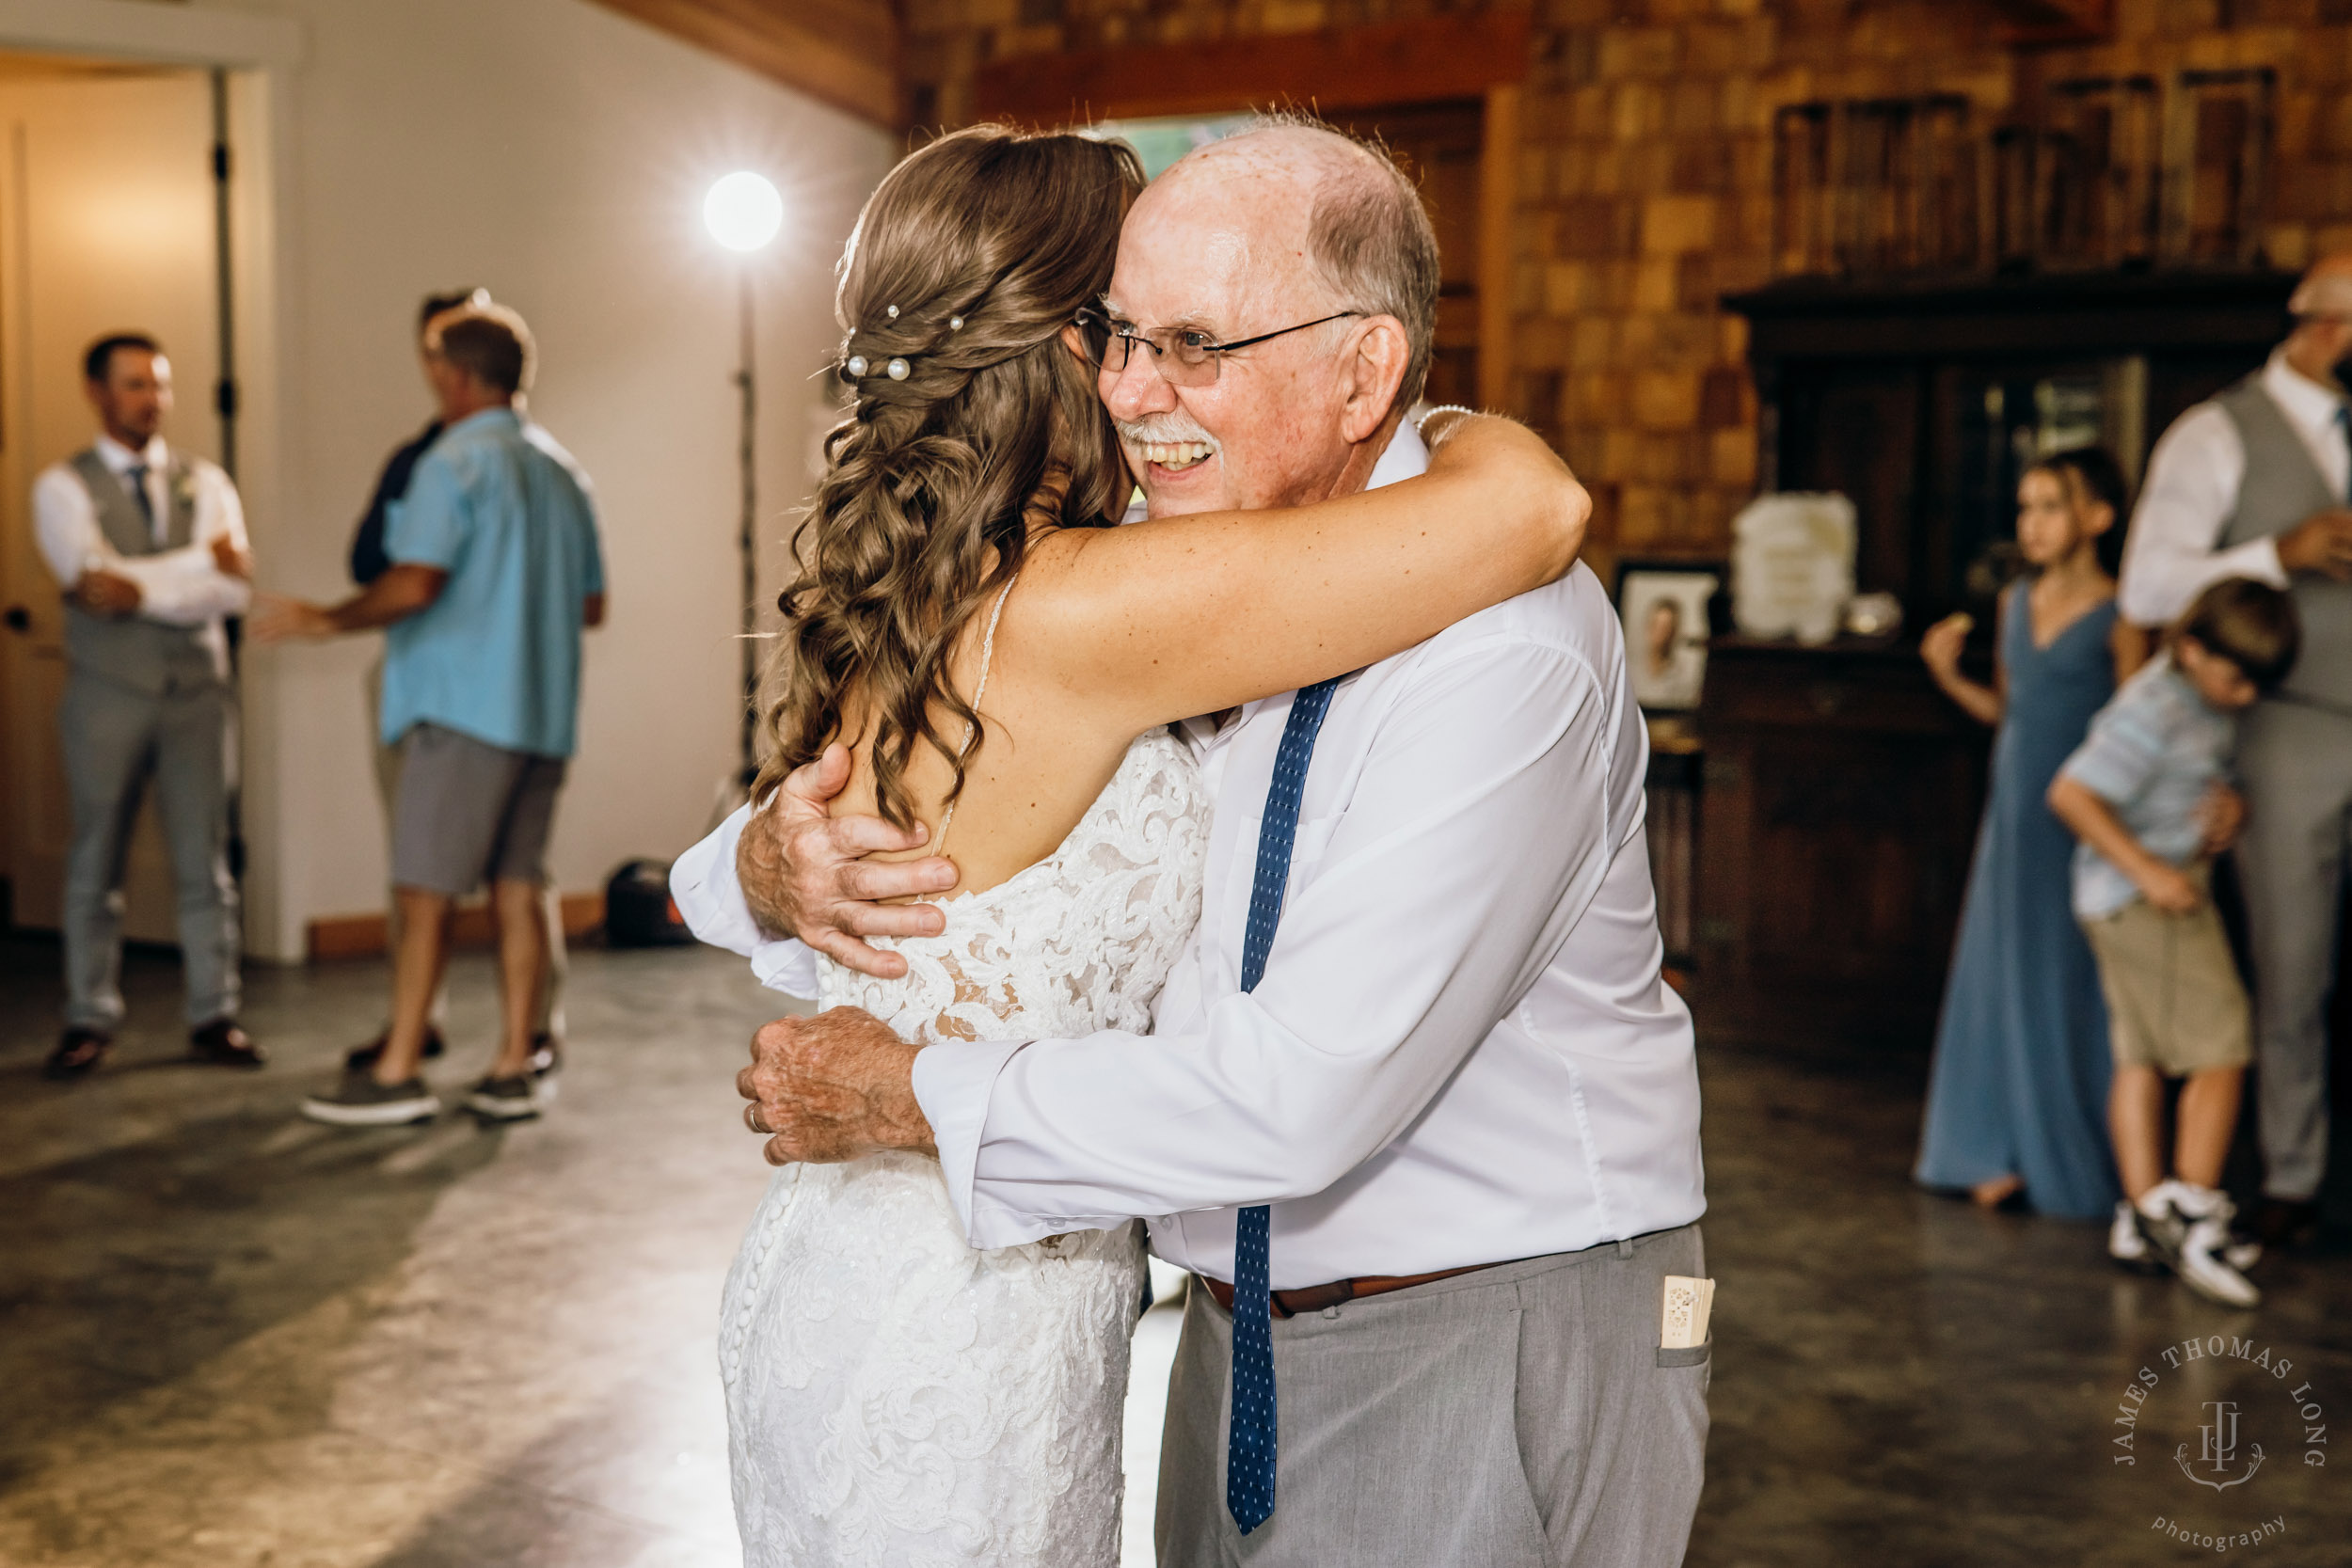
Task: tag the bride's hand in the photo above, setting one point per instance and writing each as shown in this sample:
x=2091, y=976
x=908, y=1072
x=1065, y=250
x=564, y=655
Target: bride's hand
x=804, y=874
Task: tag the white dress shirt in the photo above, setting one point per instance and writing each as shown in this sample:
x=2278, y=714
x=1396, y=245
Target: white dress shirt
x=1462, y=1051
x=181, y=588
x=2191, y=493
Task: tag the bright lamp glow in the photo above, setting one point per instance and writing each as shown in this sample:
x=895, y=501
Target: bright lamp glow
x=743, y=211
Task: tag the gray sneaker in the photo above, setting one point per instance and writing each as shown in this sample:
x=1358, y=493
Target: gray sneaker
x=359, y=1100
x=514, y=1099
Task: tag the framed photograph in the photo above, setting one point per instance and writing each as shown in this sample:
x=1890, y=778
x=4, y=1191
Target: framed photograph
x=1663, y=605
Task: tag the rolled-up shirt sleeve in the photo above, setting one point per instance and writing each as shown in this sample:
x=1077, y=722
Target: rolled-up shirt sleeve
x=186, y=587
x=2191, y=490
x=711, y=901
x=1477, y=833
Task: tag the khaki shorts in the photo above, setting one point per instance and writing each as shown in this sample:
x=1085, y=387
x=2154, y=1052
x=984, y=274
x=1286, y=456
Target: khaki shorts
x=2174, y=1000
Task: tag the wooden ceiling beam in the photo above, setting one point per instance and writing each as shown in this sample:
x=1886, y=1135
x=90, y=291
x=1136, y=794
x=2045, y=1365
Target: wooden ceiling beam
x=842, y=51
x=2056, y=21
x=1457, y=55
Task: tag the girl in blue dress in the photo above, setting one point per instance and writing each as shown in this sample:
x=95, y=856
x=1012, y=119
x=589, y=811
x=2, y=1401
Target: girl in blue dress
x=2017, y=1099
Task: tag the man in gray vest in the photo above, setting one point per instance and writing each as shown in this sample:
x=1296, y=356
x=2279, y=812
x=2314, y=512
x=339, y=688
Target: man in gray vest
x=148, y=545
x=2255, y=484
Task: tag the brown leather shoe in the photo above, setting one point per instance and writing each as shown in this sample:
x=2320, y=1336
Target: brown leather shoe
x=79, y=1054
x=223, y=1044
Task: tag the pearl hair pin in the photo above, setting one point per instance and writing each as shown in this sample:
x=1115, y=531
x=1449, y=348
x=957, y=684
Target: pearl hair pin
x=893, y=313
x=857, y=366
x=899, y=370
x=955, y=323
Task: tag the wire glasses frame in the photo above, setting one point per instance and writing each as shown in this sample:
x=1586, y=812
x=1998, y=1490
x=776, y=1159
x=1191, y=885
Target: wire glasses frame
x=1185, y=356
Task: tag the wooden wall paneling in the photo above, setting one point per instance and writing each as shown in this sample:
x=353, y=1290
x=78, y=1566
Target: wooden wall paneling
x=842, y=51
x=1498, y=209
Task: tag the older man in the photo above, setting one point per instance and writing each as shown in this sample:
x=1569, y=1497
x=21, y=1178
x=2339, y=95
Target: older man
x=2254, y=483
x=1452, y=1127
x=149, y=545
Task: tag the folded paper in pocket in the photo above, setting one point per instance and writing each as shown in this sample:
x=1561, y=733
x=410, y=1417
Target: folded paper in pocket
x=1688, y=1305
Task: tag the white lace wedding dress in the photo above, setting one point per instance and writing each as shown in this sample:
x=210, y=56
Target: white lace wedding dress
x=894, y=1397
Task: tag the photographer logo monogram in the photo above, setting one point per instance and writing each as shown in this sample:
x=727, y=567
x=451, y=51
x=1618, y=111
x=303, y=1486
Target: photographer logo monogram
x=2243, y=1393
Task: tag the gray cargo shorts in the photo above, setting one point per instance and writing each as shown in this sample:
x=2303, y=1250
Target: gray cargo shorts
x=469, y=811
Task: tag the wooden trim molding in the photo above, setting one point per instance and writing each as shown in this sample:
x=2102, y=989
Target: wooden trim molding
x=844, y=53
x=1452, y=56
x=368, y=936
x=1498, y=229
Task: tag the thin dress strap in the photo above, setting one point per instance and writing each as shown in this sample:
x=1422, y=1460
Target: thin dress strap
x=972, y=731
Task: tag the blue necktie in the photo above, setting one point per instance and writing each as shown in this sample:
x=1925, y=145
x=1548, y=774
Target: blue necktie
x=135, y=477
x=1249, y=1444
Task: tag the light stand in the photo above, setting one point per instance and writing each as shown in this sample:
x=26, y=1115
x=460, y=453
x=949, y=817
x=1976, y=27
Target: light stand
x=746, y=538
x=743, y=212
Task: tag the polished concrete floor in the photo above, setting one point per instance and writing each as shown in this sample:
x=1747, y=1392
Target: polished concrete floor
x=231, y=1337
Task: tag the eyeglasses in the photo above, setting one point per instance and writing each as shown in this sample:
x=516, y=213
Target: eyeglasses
x=1185, y=356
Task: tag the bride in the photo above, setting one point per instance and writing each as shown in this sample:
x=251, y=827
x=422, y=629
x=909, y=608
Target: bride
x=1003, y=668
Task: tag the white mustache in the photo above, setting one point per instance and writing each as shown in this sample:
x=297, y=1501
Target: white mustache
x=1164, y=430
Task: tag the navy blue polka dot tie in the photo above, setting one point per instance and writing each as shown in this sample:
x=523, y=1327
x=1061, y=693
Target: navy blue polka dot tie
x=1250, y=1445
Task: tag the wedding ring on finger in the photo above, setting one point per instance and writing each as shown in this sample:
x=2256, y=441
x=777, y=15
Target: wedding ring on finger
x=750, y=1119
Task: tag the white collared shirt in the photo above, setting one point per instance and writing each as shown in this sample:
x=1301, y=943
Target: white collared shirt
x=2191, y=493
x=1462, y=1049
x=181, y=588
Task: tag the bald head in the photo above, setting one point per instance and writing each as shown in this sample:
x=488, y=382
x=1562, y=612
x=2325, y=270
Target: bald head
x=2322, y=307
x=1348, y=215
x=2327, y=288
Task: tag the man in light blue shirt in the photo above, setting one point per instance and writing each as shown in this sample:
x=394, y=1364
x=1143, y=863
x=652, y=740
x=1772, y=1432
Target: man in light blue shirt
x=495, y=571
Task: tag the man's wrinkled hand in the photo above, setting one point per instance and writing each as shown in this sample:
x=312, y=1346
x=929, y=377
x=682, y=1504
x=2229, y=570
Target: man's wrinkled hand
x=804, y=873
x=836, y=1086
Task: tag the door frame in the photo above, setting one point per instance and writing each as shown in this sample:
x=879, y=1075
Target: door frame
x=258, y=55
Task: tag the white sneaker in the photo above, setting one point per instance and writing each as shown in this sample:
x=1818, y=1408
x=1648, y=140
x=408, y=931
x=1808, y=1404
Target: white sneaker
x=2239, y=1250
x=2204, y=1265
x=2128, y=1246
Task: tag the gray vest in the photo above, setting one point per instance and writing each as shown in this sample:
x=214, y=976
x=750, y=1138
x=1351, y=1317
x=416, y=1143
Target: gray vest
x=2281, y=487
x=147, y=655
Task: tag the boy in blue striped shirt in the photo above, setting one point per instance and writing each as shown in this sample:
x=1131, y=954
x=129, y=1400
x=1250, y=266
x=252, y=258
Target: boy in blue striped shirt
x=2147, y=795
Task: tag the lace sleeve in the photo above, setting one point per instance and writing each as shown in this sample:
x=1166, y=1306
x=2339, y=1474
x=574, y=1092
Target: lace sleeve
x=1081, y=940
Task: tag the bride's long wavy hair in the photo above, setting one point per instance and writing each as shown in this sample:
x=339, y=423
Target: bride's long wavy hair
x=933, y=481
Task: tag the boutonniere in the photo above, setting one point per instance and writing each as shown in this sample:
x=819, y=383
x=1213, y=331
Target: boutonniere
x=183, y=490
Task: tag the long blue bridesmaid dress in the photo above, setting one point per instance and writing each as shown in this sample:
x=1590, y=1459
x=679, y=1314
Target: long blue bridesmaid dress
x=2020, y=1081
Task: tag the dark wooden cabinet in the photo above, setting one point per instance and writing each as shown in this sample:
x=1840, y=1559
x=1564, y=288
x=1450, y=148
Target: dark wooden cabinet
x=1839, y=811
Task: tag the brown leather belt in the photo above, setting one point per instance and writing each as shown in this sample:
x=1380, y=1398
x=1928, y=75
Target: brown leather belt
x=1314, y=1298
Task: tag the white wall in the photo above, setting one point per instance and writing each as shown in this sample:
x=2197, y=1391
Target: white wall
x=556, y=153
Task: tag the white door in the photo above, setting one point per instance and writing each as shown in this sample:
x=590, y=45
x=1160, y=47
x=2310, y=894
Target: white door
x=106, y=225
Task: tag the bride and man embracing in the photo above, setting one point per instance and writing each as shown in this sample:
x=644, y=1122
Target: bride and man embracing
x=1348, y=991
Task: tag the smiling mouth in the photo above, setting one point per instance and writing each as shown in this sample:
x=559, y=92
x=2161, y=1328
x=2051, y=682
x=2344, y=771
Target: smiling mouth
x=1174, y=456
